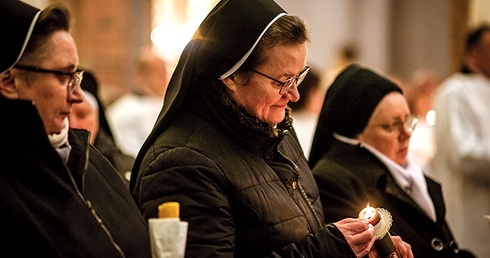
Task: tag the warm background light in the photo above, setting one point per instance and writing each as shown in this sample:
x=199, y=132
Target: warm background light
x=431, y=117
x=174, y=23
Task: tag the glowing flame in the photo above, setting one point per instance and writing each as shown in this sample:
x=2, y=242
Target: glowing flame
x=367, y=213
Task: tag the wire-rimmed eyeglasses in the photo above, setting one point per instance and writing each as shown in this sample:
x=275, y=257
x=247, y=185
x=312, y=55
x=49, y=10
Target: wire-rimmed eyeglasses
x=287, y=84
x=75, y=77
x=409, y=124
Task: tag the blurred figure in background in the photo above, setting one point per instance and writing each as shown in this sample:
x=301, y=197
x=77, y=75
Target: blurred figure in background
x=346, y=55
x=90, y=115
x=133, y=115
x=306, y=110
x=419, y=92
x=462, y=134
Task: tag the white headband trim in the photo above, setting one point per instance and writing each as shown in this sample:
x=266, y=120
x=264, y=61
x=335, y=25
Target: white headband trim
x=90, y=98
x=28, y=36
x=242, y=60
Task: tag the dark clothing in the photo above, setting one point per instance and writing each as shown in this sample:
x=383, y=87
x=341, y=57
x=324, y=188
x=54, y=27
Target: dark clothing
x=244, y=192
x=104, y=141
x=348, y=105
x=121, y=161
x=349, y=177
x=49, y=209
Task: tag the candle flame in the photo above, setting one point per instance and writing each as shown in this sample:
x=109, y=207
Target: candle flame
x=367, y=213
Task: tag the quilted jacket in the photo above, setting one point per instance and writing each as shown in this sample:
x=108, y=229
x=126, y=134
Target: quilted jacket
x=244, y=187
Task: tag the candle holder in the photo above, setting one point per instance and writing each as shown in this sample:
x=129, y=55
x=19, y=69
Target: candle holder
x=168, y=235
x=381, y=220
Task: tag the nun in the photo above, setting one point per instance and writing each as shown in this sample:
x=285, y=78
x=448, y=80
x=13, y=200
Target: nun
x=59, y=196
x=224, y=148
x=90, y=115
x=359, y=158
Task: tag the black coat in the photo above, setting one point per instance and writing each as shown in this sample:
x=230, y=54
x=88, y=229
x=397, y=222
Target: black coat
x=122, y=162
x=49, y=209
x=349, y=177
x=243, y=192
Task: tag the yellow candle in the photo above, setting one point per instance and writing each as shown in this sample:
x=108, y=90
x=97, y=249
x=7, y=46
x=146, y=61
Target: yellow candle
x=169, y=210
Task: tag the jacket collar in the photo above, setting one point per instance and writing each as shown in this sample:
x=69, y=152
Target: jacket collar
x=79, y=155
x=21, y=124
x=379, y=174
x=233, y=120
x=26, y=139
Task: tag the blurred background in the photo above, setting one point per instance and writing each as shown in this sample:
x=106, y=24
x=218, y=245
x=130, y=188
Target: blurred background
x=394, y=37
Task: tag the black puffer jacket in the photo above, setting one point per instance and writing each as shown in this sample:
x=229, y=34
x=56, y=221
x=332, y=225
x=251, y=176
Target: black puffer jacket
x=49, y=209
x=245, y=189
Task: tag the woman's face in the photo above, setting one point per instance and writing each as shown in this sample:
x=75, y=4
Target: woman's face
x=260, y=95
x=387, y=128
x=49, y=91
x=85, y=116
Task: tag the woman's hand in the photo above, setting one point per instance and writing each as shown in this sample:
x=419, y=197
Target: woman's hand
x=359, y=235
x=404, y=249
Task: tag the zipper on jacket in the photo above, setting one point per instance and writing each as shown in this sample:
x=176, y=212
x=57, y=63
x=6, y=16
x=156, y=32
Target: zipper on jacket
x=101, y=223
x=296, y=184
x=94, y=213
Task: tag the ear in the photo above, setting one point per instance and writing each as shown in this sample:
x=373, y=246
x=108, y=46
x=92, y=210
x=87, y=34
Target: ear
x=230, y=83
x=8, y=85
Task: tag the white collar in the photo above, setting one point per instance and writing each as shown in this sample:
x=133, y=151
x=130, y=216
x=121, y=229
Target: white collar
x=409, y=177
x=60, y=142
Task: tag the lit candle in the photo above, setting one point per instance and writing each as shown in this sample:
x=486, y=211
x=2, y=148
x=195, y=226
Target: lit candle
x=370, y=214
x=381, y=221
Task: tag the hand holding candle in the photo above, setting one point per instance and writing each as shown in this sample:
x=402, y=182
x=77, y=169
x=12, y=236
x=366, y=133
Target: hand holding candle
x=381, y=220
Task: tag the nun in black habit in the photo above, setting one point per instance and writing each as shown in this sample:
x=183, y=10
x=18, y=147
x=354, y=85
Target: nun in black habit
x=224, y=148
x=359, y=157
x=59, y=196
x=83, y=116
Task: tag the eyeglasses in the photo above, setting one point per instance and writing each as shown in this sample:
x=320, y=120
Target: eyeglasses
x=287, y=84
x=75, y=77
x=409, y=124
